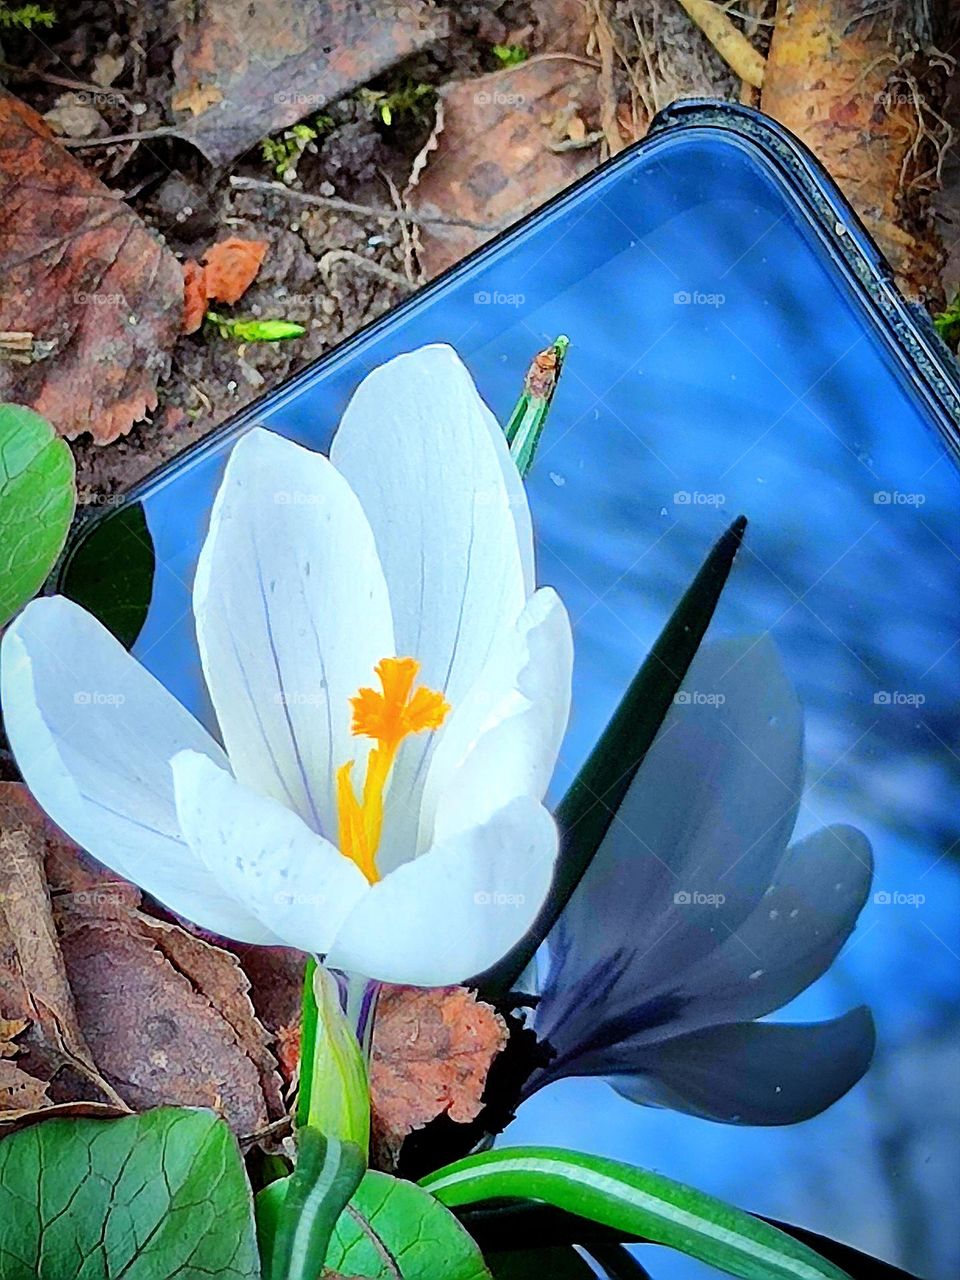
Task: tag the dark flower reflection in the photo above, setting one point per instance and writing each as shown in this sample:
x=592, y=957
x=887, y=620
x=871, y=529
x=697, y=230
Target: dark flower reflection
x=698, y=916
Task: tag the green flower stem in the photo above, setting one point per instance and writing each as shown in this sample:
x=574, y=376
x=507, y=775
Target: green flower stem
x=336, y=1039
x=526, y=423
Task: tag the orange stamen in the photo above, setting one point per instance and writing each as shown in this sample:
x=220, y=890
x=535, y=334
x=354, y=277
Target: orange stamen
x=388, y=715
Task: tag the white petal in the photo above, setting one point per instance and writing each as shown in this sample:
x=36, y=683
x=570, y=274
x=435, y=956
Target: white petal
x=503, y=739
x=298, y=884
x=417, y=446
x=93, y=733
x=292, y=614
x=457, y=909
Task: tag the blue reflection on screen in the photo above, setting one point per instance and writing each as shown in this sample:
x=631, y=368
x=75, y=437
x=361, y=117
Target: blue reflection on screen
x=720, y=365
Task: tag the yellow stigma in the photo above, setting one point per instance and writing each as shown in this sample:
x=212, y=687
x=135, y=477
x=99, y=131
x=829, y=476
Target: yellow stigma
x=388, y=717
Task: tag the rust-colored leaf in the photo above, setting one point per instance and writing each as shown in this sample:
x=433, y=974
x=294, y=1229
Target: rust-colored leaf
x=432, y=1051
x=100, y=294
x=194, y=296
x=231, y=266
x=246, y=70
x=494, y=154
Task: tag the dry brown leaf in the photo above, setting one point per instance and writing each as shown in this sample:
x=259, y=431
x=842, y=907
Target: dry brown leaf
x=231, y=266
x=246, y=70
x=194, y=296
x=432, y=1051
x=20, y=1094
x=10, y=1028
x=196, y=99
x=80, y=271
x=29, y=923
x=155, y=1037
x=162, y=1016
x=490, y=161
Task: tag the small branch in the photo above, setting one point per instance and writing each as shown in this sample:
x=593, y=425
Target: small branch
x=74, y=144
x=609, y=128
x=732, y=45
x=367, y=210
x=62, y=82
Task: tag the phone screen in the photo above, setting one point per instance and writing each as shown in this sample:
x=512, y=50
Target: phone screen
x=720, y=363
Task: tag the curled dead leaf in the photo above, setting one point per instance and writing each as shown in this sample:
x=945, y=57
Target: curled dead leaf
x=83, y=274
x=432, y=1052
x=231, y=266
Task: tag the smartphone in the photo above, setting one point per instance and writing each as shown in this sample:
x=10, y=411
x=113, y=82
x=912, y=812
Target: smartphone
x=736, y=347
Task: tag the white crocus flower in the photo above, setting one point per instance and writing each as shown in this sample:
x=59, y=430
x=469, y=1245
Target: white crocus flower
x=391, y=691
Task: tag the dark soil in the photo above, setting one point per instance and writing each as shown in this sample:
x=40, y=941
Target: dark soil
x=330, y=271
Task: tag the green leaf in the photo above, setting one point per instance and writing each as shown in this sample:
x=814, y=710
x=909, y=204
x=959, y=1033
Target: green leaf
x=637, y=1203
x=393, y=1230
x=296, y=1215
x=37, y=500
x=586, y=811
x=254, y=330
x=509, y=54
x=159, y=1196
x=561, y=1262
x=110, y=571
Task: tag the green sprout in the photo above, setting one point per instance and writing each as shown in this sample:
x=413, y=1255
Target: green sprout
x=254, y=330
x=947, y=323
x=508, y=55
x=409, y=99
x=26, y=16
x=283, y=152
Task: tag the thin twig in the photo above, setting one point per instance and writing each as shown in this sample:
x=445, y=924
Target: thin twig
x=62, y=82
x=334, y=256
x=409, y=250
x=609, y=129
x=368, y=210
x=164, y=131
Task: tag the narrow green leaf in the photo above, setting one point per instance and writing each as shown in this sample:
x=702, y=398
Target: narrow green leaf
x=393, y=1230
x=525, y=427
x=37, y=500
x=586, y=811
x=159, y=1196
x=296, y=1215
x=636, y=1202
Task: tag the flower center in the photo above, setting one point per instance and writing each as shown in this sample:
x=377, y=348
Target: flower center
x=388, y=716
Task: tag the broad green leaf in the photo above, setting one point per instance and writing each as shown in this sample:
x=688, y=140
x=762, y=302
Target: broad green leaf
x=296, y=1215
x=393, y=1230
x=635, y=1202
x=586, y=811
x=110, y=571
x=37, y=500
x=560, y=1262
x=158, y=1196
